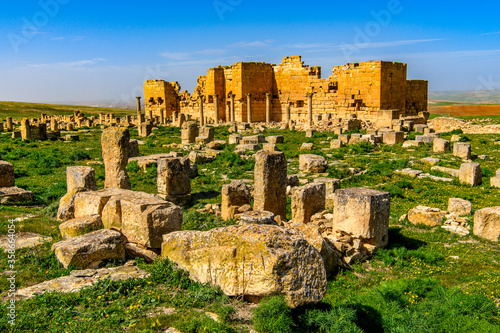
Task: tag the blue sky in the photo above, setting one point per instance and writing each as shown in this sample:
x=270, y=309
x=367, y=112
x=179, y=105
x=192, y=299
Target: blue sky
x=73, y=50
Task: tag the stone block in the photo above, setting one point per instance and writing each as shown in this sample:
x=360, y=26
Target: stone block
x=311, y=163
x=471, y=174
x=257, y=217
x=275, y=139
x=234, y=195
x=189, y=132
x=173, y=176
x=363, y=213
x=270, y=181
x=459, y=206
x=115, y=143
x=441, y=145
x=307, y=200
x=426, y=215
x=335, y=144
x=487, y=223
x=392, y=138
x=331, y=184
x=80, y=176
x=7, y=175
x=80, y=226
x=462, y=150
x=88, y=250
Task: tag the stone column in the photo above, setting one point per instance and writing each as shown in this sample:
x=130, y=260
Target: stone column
x=138, y=104
x=101, y=118
x=309, y=109
x=25, y=129
x=270, y=182
x=216, y=116
x=150, y=115
x=53, y=125
x=231, y=111
x=115, y=143
x=288, y=113
x=202, y=117
x=10, y=126
x=162, y=116
x=189, y=132
x=249, y=108
x=268, y=107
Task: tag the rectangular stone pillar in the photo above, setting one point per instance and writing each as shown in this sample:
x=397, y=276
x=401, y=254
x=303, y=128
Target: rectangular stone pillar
x=202, y=117
x=309, y=109
x=307, y=200
x=10, y=125
x=25, y=129
x=216, y=115
x=249, y=108
x=270, y=182
x=268, y=107
x=231, y=111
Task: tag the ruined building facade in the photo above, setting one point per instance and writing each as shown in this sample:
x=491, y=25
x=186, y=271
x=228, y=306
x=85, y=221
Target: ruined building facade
x=377, y=91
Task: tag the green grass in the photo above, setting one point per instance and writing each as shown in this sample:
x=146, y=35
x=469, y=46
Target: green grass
x=452, y=295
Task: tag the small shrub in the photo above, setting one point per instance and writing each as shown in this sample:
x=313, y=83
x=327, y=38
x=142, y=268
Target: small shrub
x=464, y=138
x=273, y=316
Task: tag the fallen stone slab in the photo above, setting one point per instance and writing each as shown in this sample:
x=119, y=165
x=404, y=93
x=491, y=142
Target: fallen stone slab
x=89, y=250
x=436, y=178
x=80, y=226
x=450, y=171
x=79, y=279
x=409, y=172
x=426, y=215
x=14, y=194
x=24, y=239
x=251, y=260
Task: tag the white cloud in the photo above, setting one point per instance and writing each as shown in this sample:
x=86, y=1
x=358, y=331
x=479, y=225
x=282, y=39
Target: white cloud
x=178, y=56
x=58, y=38
x=254, y=44
x=491, y=33
x=72, y=64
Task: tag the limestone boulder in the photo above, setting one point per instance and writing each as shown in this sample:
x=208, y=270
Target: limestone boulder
x=80, y=176
x=331, y=257
x=7, y=176
x=66, y=210
x=459, y=206
x=256, y=217
x=487, y=223
x=89, y=250
x=426, y=215
x=234, y=195
x=80, y=226
x=173, y=176
x=251, y=260
x=311, y=163
x=363, y=213
x=115, y=143
x=88, y=203
x=471, y=174
x=307, y=200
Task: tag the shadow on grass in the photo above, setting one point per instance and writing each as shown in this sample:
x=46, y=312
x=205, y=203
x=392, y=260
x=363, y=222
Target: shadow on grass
x=397, y=240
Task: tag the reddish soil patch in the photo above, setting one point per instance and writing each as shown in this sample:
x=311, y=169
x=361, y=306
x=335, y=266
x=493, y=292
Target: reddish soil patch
x=467, y=110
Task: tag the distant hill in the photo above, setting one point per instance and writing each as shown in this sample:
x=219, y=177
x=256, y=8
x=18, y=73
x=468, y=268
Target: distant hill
x=476, y=96
x=33, y=110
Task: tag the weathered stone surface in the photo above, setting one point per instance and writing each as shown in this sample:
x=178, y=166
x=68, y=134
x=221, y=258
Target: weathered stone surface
x=7, y=176
x=189, y=132
x=256, y=217
x=270, y=147
x=270, y=182
x=66, y=210
x=115, y=143
x=331, y=184
x=89, y=250
x=392, y=138
x=471, y=174
x=426, y=215
x=412, y=143
x=487, y=223
x=173, y=176
x=88, y=203
x=441, y=145
x=141, y=217
x=234, y=195
x=80, y=226
x=134, y=250
x=459, y=206
x=79, y=279
x=363, y=213
x=234, y=139
x=251, y=260
x=495, y=181
x=312, y=163
x=80, y=176
x=331, y=257
x=450, y=171
x=23, y=240
x=275, y=139
x=307, y=146
x=430, y=160
x=307, y=200
x=336, y=144
x=462, y=150
x=14, y=194
x=134, y=148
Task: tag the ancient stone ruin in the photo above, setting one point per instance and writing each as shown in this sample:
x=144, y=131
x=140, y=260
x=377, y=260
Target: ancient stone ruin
x=375, y=91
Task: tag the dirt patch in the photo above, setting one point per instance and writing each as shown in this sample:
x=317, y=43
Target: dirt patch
x=467, y=110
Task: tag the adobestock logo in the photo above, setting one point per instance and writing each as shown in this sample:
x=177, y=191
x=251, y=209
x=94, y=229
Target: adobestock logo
x=31, y=27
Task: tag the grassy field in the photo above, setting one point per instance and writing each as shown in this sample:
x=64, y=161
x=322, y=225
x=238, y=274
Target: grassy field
x=20, y=110
x=426, y=280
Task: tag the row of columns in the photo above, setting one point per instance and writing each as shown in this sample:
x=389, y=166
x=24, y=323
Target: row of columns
x=232, y=112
